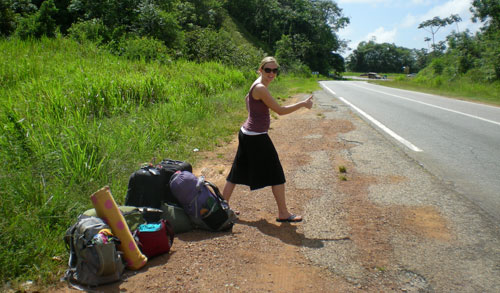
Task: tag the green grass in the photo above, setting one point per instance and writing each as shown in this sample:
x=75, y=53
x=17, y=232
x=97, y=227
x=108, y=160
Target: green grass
x=75, y=118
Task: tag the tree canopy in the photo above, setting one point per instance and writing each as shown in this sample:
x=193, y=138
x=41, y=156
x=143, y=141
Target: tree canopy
x=307, y=27
x=371, y=56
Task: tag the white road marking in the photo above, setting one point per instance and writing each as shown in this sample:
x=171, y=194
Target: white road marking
x=378, y=123
x=431, y=105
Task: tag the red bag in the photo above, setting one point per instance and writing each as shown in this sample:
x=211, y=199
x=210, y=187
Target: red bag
x=155, y=238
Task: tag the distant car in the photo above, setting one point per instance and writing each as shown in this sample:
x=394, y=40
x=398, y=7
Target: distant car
x=371, y=75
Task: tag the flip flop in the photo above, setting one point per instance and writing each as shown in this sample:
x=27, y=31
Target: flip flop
x=292, y=219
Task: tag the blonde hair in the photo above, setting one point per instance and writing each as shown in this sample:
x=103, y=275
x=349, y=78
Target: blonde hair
x=266, y=60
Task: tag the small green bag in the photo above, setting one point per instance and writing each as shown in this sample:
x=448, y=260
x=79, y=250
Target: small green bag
x=177, y=217
x=133, y=216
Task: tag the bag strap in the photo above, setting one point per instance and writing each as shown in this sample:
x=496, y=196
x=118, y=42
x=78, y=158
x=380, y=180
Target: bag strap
x=216, y=190
x=170, y=230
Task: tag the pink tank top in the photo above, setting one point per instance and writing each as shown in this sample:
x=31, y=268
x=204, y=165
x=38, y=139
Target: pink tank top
x=258, y=114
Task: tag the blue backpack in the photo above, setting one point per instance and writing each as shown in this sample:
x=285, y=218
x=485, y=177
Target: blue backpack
x=202, y=202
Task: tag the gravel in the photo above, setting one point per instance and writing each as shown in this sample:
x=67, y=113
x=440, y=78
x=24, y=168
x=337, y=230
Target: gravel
x=435, y=239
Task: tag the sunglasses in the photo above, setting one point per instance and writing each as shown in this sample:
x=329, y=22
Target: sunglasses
x=269, y=70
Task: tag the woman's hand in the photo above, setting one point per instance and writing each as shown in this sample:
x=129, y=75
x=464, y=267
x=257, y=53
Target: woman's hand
x=308, y=103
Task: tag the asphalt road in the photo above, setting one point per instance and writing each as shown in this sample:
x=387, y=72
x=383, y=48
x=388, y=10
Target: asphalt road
x=455, y=140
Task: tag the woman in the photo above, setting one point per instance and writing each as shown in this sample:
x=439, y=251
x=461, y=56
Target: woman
x=256, y=163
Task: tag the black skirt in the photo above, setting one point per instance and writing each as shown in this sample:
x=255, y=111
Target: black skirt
x=256, y=163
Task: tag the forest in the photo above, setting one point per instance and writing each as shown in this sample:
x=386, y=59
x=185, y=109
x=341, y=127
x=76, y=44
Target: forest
x=302, y=33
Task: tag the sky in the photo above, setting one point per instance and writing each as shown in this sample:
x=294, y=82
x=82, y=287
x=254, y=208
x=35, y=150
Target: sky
x=396, y=21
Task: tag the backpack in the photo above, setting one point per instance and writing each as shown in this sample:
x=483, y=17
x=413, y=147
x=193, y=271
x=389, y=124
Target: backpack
x=94, y=259
x=149, y=186
x=205, y=206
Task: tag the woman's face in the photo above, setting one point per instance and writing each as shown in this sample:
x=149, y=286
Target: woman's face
x=269, y=71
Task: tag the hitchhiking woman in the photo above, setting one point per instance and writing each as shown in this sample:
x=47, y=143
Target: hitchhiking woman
x=256, y=163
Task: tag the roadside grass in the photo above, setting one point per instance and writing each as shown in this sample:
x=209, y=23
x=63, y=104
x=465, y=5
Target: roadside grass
x=462, y=88
x=75, y=118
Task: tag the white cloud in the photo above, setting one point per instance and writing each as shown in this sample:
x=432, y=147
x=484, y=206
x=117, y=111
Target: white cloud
x=382, y=36
x=460, y=7
x=409, y=21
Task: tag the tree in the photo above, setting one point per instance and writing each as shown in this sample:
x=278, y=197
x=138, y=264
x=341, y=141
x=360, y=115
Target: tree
x=304, y=21
x=433, y=26
x=7, y=18
x=114, y=13
x=487, y=11
x=159, y=24
x=455, y=18
x=42, y=23
x=370, y=56
x=463, y=47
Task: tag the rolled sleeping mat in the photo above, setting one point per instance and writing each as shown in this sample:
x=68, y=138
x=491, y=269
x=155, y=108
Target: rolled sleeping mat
x=107, y=210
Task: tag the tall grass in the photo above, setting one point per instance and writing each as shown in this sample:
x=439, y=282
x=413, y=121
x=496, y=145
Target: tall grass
x=74, y=119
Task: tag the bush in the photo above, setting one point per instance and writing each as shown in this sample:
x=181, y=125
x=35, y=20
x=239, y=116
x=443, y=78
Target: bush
x=7, y=18
x=92, y=30
x=145, y=48
x=207, y=44
x=159, y=24
x=437, y=81
x=40, y=24
x=438, y=65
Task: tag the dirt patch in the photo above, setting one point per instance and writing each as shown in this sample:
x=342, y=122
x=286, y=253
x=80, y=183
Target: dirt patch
x=425, y=222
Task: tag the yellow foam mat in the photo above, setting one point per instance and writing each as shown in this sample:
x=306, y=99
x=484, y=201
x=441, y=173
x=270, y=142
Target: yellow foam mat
x=107, y=209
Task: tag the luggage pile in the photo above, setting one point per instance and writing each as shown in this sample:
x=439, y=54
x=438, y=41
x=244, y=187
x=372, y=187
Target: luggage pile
x=162, y=200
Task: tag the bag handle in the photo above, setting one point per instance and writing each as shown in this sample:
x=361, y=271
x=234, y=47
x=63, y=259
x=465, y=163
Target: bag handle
x=216, y=191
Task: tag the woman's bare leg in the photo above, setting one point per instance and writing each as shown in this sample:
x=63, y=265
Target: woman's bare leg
x=228, y=190
x=279, y=196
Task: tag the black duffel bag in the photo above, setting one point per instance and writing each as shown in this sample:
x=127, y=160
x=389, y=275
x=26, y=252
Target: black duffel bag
x=149, y=186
